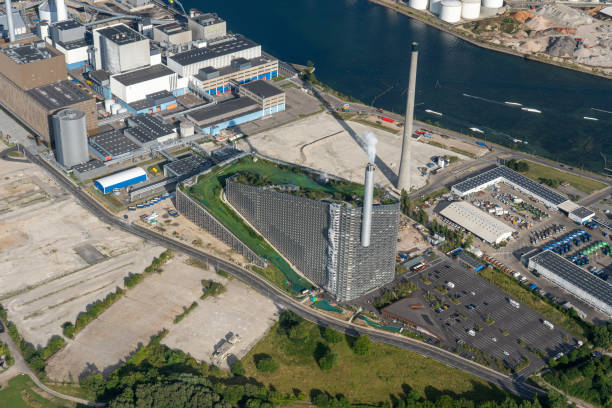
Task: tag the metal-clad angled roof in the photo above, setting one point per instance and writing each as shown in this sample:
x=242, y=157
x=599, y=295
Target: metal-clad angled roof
x=512, y=177
x=478, y=222
x=121, y=177
x=575, y=275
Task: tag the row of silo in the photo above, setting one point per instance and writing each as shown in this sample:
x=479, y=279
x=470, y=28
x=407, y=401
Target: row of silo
x=453, y=11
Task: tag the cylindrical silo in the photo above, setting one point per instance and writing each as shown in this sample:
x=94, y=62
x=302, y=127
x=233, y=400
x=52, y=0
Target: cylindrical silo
x=70, y=136
x=450, y=11
x=115, y=108
x=418, y=4
x=470, y=9
x=187, y=129
x=434, y=6
x=492, y=3
x=107, y=104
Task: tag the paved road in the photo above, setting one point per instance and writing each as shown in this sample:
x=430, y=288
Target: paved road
x=21, y=367
x=513, y=384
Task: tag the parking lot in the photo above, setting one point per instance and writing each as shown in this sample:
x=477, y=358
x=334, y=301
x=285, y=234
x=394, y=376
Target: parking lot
x=536, y=227
x=482, y=317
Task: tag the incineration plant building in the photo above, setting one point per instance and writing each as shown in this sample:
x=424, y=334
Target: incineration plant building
x=322, y=238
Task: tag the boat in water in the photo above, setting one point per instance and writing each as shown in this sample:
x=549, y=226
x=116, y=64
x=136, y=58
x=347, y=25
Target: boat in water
x=589, y=118
x=475, y=129
x=433, y=112
x=531, y=110
x=513, y=103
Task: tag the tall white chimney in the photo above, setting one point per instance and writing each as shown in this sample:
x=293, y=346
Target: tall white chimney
x=403, y=179
x=9, y=19
x=366, y=212
x=60, y=8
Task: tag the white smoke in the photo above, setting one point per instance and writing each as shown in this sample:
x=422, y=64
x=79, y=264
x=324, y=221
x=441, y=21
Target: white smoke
x=369, y=141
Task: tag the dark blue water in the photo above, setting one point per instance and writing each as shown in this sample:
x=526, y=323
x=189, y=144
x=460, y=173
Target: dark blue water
x=362, y=49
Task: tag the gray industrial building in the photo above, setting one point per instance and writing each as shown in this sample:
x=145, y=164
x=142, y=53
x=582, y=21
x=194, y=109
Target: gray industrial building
x=172, y=33
x=582, y=284
x=118, y=48
x=149, y=130
x=112, y=145
x=504, y=174
x=206, y=26
x=187, y=166
x=67, y=31
x=70, y=136
x=322, y=239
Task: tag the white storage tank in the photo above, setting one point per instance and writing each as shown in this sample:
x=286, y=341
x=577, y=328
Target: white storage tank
x=434, y=6
x=107, y=104
x=492, y=3
x=418, y=4
x=187, y=129
x=450, y=11
x=115, y=108
x=470, y=9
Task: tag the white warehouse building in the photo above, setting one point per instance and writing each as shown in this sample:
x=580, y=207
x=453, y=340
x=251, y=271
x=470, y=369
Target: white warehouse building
x=216, y=54
x=479, y=223
x=136, y=85
x=584, y=285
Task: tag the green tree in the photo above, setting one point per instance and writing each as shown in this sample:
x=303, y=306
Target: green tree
x=266, y=364
x=361, y=346
x=332, y=336
x=329, y=360
x=238, y=368
x=298, y=333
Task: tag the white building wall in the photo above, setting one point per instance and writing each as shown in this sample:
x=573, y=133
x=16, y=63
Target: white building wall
x=134, y=55
x=136, y=92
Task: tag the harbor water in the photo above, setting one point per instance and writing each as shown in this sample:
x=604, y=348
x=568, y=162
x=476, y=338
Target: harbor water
x=362, y=49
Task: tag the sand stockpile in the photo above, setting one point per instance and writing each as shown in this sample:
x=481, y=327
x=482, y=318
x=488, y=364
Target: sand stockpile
x=522, y=16
x=539, y=23
x=564, y=15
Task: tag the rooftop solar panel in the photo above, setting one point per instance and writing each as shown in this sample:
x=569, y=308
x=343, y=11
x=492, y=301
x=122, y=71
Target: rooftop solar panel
x=505, y=174
x=575, y=275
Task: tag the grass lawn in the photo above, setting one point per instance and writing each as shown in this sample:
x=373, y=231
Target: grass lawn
x=386, y=371
x=511, y=286
x=208, y=189
x=586, y=185
x=23, y=393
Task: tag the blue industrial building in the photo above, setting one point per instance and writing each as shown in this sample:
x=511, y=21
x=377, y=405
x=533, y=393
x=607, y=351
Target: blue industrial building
x=122, y=179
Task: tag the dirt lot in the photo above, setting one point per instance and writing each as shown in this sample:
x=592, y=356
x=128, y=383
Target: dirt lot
x=216, y=318
x=152, y=306
x=323, y=143
x=55, y=258
x=184, y=230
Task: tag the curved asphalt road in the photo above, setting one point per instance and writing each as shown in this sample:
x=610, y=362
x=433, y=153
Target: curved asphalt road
x=515, y=385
